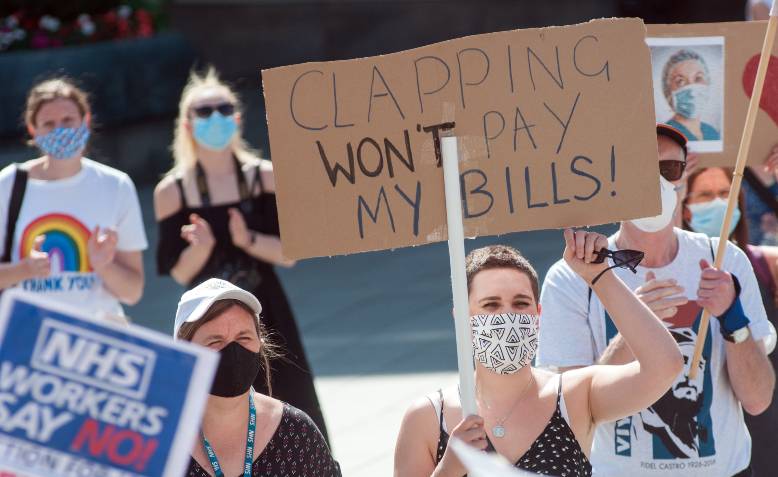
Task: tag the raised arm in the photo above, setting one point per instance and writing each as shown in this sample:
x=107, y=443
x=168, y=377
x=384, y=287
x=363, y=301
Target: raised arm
x=617, y=391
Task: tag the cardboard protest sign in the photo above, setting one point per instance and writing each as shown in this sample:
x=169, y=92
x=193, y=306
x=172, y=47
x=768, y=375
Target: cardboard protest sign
x=555, y=127
x=81, y=398
x=703, y=78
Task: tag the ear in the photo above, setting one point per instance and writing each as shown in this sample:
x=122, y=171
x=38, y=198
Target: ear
x=686, y=214
x=540, y=309
x=238, y=118
x=30, y=130
x=88, y=120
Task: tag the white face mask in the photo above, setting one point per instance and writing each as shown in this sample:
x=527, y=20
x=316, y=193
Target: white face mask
x=665, y=217
x=504, y=343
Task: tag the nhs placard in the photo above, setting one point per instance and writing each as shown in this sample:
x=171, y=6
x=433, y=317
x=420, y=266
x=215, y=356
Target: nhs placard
x=80, y=398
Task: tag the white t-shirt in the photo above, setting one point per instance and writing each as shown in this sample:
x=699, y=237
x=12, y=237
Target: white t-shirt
x=696, y=428
x=66, y=211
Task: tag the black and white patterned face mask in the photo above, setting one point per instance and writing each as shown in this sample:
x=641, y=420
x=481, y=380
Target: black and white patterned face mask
x=504, y=343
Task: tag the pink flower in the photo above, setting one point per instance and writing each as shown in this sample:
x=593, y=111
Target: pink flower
x=145, y=30
x=123, y=27
x=11, y=22
x=86, y=25
x=124, y=11
x=39, y=40
x=48, y=22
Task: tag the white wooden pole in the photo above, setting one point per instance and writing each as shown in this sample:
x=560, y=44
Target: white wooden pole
x=456, y=253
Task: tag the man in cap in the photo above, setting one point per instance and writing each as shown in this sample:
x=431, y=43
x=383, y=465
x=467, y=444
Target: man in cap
x=677, y=281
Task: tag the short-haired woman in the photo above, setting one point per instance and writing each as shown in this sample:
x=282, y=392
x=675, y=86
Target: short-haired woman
x=542, y=421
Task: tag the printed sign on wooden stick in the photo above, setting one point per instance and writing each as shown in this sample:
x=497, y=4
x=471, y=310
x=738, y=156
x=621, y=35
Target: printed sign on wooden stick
x=703, y=79
x=555, y=127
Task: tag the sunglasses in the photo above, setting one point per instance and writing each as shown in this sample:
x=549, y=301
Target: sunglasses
x=672, y=170
x=628, y=259
x=225, y=109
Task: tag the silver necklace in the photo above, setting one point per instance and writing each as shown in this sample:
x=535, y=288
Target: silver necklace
x=499, y=428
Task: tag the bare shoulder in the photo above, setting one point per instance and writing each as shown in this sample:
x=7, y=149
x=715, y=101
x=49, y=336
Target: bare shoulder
x=577, y=383
x=576, y=390
x=265, y=167
x=167, y=197
x=418, y=432
x=420, y=414
x=580, y=377
x=770, y=254
x=544, y=377
x=268, y=176
x=33, y=166
x=769, y=251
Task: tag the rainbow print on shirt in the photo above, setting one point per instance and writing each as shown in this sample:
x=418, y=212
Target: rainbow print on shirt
x=66, y=242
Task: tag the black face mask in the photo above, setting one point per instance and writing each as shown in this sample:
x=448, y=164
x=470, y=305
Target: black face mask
x=238, y=367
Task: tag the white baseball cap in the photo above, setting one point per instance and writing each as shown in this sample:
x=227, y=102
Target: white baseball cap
x=195, y=303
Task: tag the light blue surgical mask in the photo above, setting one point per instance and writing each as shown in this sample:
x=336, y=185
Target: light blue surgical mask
x=707, y=217
x=214, y=132
x=63, y=143
x=691, y=100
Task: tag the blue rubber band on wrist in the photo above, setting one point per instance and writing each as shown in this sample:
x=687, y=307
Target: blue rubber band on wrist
x=734, y=318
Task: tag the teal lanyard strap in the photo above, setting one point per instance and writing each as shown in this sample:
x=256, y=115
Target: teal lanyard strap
x=249, y=462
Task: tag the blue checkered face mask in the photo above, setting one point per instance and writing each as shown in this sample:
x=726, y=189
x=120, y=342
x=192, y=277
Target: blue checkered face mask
x=63, y=143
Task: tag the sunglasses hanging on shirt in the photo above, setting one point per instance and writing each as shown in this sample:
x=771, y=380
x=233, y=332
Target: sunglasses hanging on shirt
x=628, y=259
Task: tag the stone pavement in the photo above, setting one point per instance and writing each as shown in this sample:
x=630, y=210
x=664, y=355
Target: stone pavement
x=377, y=328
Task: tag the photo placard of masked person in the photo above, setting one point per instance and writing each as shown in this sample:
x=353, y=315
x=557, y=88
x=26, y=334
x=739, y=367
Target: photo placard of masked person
x=688, y=75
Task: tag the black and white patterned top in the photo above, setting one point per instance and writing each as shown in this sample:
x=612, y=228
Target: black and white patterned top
x=297, y=449
x=555, y=452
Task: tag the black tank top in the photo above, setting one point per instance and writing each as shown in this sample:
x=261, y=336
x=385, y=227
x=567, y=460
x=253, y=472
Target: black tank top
x=555, y=451
x=226, y=261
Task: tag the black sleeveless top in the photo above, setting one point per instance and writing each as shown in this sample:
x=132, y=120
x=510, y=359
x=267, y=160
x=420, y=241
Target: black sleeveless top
x=296, y=448
x=555, y=451
x=227, y=261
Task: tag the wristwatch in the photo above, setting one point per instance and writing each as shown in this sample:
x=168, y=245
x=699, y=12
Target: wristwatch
x=738, y=336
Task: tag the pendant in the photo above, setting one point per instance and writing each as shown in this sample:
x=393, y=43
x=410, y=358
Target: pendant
x=498, y=431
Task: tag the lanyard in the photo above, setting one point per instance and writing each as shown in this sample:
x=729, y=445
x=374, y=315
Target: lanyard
x=249, y=462
x=202, y=183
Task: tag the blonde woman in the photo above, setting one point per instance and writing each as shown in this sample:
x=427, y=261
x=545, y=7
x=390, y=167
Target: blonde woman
x=70, y=228
x=216, y=212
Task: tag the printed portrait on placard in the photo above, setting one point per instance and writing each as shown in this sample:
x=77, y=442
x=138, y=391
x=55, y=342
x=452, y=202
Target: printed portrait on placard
x=688, y=76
